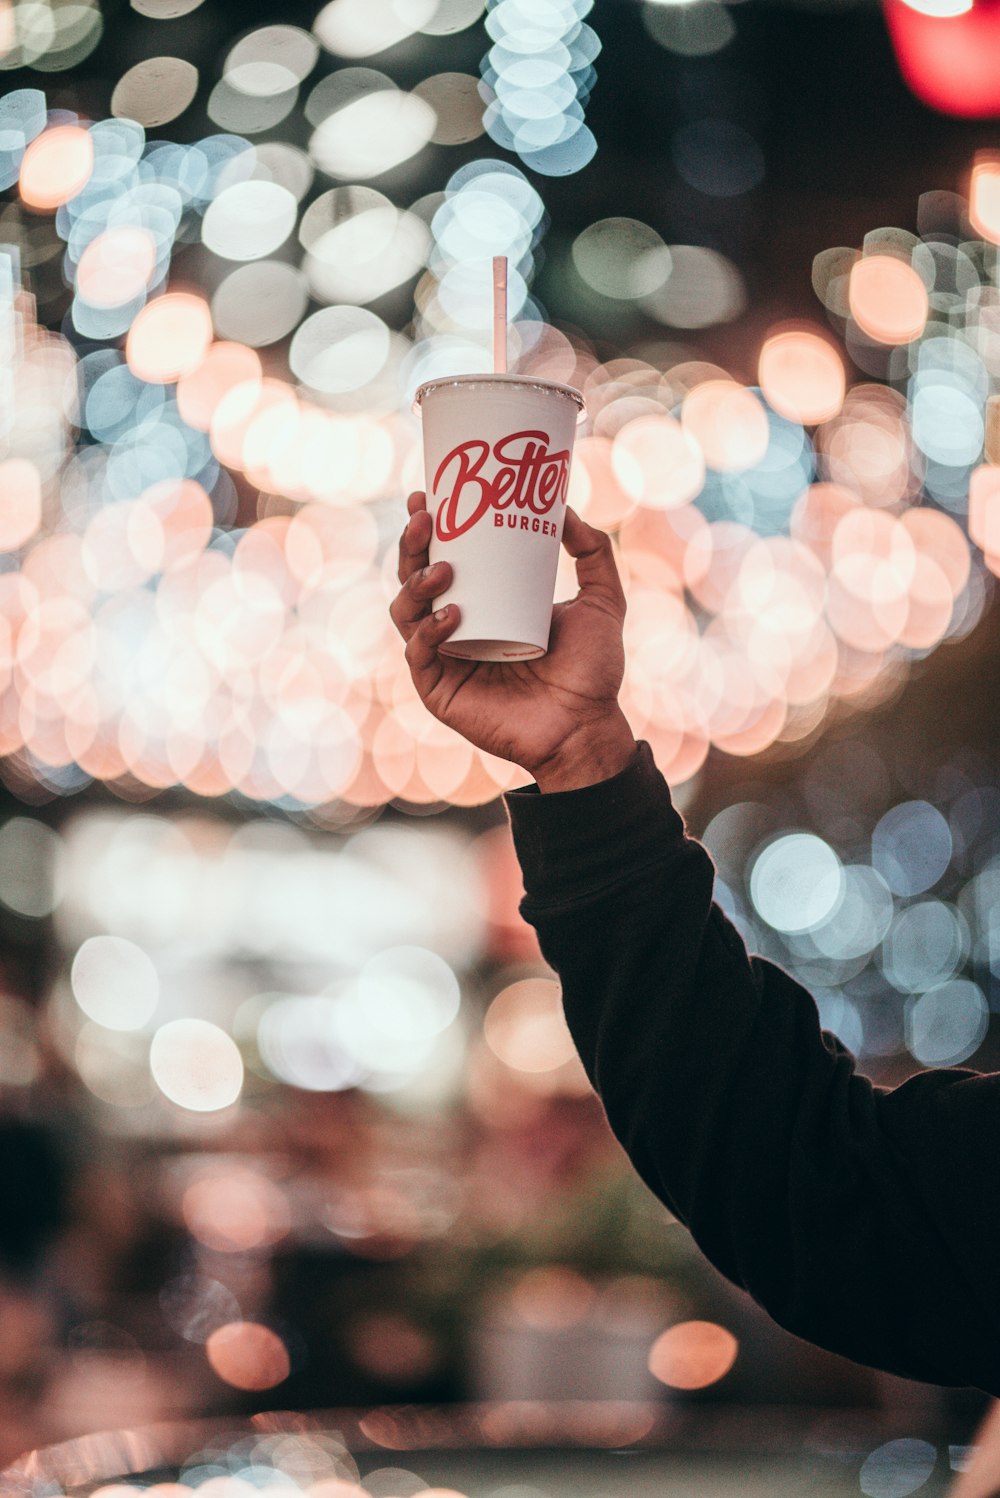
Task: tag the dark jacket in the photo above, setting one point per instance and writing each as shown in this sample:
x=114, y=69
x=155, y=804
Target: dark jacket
x=863, y=1219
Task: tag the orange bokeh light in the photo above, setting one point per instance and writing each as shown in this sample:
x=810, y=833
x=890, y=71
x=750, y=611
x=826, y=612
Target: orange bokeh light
x=487, y=777
x=331, y=546
x=366, y=788
x=236, y=411
x=235, y=1211
x=224, y=366
x=116, y=266
x=802, y=376
x=21, y=506
x=984, y=198
x=123, y=545
x=657, y=463
x=248, y=1355
x=169, y=338
x=184, y=512
x=818, y=512
x=525, y=1027
x=762, y=724
x=984, y=508
x=864, y=533
x=873, y=566
x=56, y=166
x=594, y=490
x=942, y=538
x=693, y=1354
x=394, y=752
x=713, y=561
x=444, y=760
x=552, y=1297
x=728, y=423
x=930, y=605
x=888, y=300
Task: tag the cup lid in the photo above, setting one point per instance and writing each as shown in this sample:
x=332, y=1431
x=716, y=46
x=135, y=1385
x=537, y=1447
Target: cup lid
x=487, y=378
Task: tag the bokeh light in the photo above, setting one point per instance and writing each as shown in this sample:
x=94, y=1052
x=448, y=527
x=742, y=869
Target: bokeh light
x=888, y=299
x=797, y=882
x=693, y=1355
x=802, y=376
x=911, y=847
x=248, y=1355
x=539, y=75
x=897, y=1468
x=946, y=1025
x=196, y=1065
x=271, y=908
x=525, y=1028
x=169, y=338
x=155, y=91
x=56, y=166
x=115, y=983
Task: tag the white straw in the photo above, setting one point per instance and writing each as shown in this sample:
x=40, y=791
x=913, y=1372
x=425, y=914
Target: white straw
x=499, y=314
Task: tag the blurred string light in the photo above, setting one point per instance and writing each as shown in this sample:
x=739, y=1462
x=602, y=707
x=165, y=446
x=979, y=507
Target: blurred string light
x=50, y=38
x=693, y=1354
x=486, y=204
x=895, y=930
x=539, y=74
x=356, y=974
x=885, y=911
x=784, y=544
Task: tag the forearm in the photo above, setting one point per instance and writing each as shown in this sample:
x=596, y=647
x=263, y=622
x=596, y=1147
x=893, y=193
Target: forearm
x=798, y=1179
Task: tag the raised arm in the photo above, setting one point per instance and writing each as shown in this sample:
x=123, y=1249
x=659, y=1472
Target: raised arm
x=864, y=1220
x=861, y=1219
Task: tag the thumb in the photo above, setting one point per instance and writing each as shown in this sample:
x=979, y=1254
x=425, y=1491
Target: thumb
x=596, y=569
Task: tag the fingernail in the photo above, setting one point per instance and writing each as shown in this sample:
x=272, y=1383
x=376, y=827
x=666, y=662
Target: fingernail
x=426, y=572
x=442, y=614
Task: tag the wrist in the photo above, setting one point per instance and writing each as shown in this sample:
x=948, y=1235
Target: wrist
x=594, y=752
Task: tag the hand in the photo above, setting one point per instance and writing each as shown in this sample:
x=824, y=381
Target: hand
x=557, y=715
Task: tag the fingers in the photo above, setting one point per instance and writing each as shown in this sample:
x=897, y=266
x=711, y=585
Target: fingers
x=414, y=541
x=426, y=665
x=413, y=601
x=416, y=501
x=596, y=569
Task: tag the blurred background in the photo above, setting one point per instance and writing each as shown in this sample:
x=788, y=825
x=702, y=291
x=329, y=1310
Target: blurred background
x=289, y=1116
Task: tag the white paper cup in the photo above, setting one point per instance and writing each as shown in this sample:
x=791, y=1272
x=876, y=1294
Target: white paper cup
x=497, y=451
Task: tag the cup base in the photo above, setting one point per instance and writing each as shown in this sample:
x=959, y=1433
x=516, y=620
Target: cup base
x=491, y=650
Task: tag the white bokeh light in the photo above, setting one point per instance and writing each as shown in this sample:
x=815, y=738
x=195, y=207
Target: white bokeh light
x=196, y=1065
x=797, y=882
x=115, y=982
x=249, y=220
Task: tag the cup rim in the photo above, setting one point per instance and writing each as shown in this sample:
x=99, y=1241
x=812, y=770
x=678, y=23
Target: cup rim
x=487, y=377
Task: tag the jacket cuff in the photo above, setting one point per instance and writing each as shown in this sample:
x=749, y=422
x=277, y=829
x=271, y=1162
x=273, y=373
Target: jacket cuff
x=574, y=843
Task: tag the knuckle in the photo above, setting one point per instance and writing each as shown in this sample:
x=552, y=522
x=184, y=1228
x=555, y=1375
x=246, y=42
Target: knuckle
x=415, y=642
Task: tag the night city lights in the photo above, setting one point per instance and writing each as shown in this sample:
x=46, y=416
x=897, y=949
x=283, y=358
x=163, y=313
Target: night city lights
x=305, y=1187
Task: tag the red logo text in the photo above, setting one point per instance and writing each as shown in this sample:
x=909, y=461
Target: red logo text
x=526, y=476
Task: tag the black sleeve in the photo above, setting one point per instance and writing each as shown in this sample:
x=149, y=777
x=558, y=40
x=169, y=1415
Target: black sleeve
x=862, y=1219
